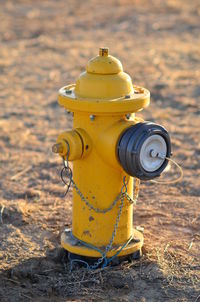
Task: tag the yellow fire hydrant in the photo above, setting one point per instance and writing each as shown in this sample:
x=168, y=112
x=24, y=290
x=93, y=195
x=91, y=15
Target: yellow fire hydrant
x=111, y=151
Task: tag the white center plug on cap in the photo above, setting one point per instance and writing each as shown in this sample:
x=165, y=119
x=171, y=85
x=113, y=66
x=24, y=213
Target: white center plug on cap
x=153, y=153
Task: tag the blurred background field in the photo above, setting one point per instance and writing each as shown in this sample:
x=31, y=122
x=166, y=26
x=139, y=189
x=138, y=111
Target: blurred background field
x=45, y=45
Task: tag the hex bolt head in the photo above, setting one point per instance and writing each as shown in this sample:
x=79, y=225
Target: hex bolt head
x=57, y=148
x=103, y=51
x=153, y=153
x=92, y=117
x=68, y=91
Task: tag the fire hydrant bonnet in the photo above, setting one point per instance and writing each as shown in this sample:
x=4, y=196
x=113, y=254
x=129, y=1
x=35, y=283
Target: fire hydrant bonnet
x=104, y=79
x=104, y=88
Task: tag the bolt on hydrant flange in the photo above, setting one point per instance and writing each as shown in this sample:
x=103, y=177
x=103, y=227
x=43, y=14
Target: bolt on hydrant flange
x=111, y=150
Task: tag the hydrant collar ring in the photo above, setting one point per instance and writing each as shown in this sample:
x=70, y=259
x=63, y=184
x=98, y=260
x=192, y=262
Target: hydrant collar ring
x=121, y=105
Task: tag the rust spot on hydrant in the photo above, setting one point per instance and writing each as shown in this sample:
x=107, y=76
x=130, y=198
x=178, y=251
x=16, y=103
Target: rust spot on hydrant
x=91, y=218
x=87, y=233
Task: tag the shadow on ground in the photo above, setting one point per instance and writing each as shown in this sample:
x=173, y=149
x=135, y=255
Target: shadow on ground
x=49, y=278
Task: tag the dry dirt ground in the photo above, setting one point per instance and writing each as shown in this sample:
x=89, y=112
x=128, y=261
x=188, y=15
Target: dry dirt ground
x=45, y=45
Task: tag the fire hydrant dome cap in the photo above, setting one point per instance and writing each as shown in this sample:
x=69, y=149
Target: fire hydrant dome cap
x=104, y=65
x=103, y=86
x=104, y=78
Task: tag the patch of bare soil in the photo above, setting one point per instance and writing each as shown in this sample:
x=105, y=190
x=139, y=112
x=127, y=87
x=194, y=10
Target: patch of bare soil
x=45, y=45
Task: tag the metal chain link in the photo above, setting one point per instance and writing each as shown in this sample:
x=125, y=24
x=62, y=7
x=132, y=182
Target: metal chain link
x=121, y=196
x=109, y=246
x=68, y=173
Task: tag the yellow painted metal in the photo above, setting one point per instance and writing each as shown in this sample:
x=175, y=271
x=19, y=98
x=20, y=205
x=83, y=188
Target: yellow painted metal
x=107, y=106
x=100, y=100
x=71, y=245
x=104, y=64
x=104, y=88
x=99, y=176
x=74, y=143
x=71, y=142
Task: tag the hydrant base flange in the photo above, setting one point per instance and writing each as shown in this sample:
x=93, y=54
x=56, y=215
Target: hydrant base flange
x=74, y=246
